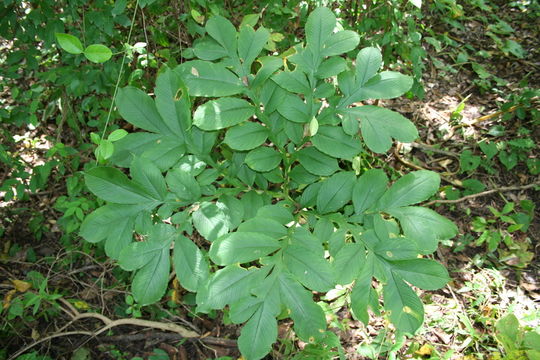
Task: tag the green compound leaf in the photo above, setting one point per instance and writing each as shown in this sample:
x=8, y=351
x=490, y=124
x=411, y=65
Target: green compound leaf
x=190, y=264
x=110, y=184
x=333, y=141
x=410, y=189
x=425, y=273
x=97, y=53
x=424, y=226
x=222, y=113
x=204, y=78
x=335, y=192
x=316, y=162
x=241, y=247
x=246, y=136
x=69, y=43
x=380, y=125
x=405, y=308
x=368, y=189
x=263, y=159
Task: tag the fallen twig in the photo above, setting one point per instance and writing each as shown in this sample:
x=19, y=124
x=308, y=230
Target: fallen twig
x=483, y=193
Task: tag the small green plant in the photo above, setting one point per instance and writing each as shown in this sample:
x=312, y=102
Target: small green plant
x=500, y=228
x=256, y=191
x=519, y=343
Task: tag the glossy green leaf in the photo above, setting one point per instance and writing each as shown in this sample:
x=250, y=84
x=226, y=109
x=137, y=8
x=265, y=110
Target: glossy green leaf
x=425, y=273
x=97, y=53
x=386, y=85
x=316, y=162
x=340, y=42
x=146, y=174
x=246, y=136
x=368, y=63
x=410, y=189
x=221, y=30
x=294, y=109
x=363, y=294
x=331, y=67
x=250, y=44
x=190, y=265
x=112, y=185
x=69, y=43
x=308, y=267
x=209, y=49
x=140, y=110
x=183, y=184
x=263, y=159
x=348, y=262
x=368, y=189
x=222, y=113
x=172, y=103
x=212, y=220
x=308, y=317
x=335, y=192
x=293, y=81
x=241, y=247
x=319, y=27
x=332, y=141
x=424, y=226
x=271, y=227
x=204, y=78
x=405, y=308
x=260, y=332
x=380, y=125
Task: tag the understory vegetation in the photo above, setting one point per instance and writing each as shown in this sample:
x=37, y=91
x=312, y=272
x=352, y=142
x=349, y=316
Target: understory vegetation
x=269, y=180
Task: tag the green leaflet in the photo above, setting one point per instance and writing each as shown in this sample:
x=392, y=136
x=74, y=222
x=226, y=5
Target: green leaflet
x=424, y=226
x=139, y=109
x=340, y=42
x=97, y=53
x=308, y=317
x=410, y=189
x=379, y=126
x=368, y=62
x=190, y=265
x=246, y=136
x=316, y=162
x=335, y=192
x=309, y=268
x=112, y=185
x=250, y=45
x=293, y=81
x=222, y=113
x=204, y=78
x=146, y=174
x=405, y=308
x=424, y=273
x=263, y=159
x=212, y=220
x=319, y=27
x=333, y=141
x=221, y=30
x=241, y=247
x=183, y=184
x=368, y=189
x=151, y=259
x=348, y=262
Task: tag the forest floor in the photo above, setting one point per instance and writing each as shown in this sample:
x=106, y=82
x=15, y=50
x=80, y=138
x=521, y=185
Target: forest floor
x=488, y=281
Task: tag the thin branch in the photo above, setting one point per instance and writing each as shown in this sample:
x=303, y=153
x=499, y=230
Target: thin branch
x=483, y=193
x=209, y=340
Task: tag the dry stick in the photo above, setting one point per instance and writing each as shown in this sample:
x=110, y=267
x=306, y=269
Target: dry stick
x=487, y=117
x=483, y=193
x=168, y=336
x=109, y=324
